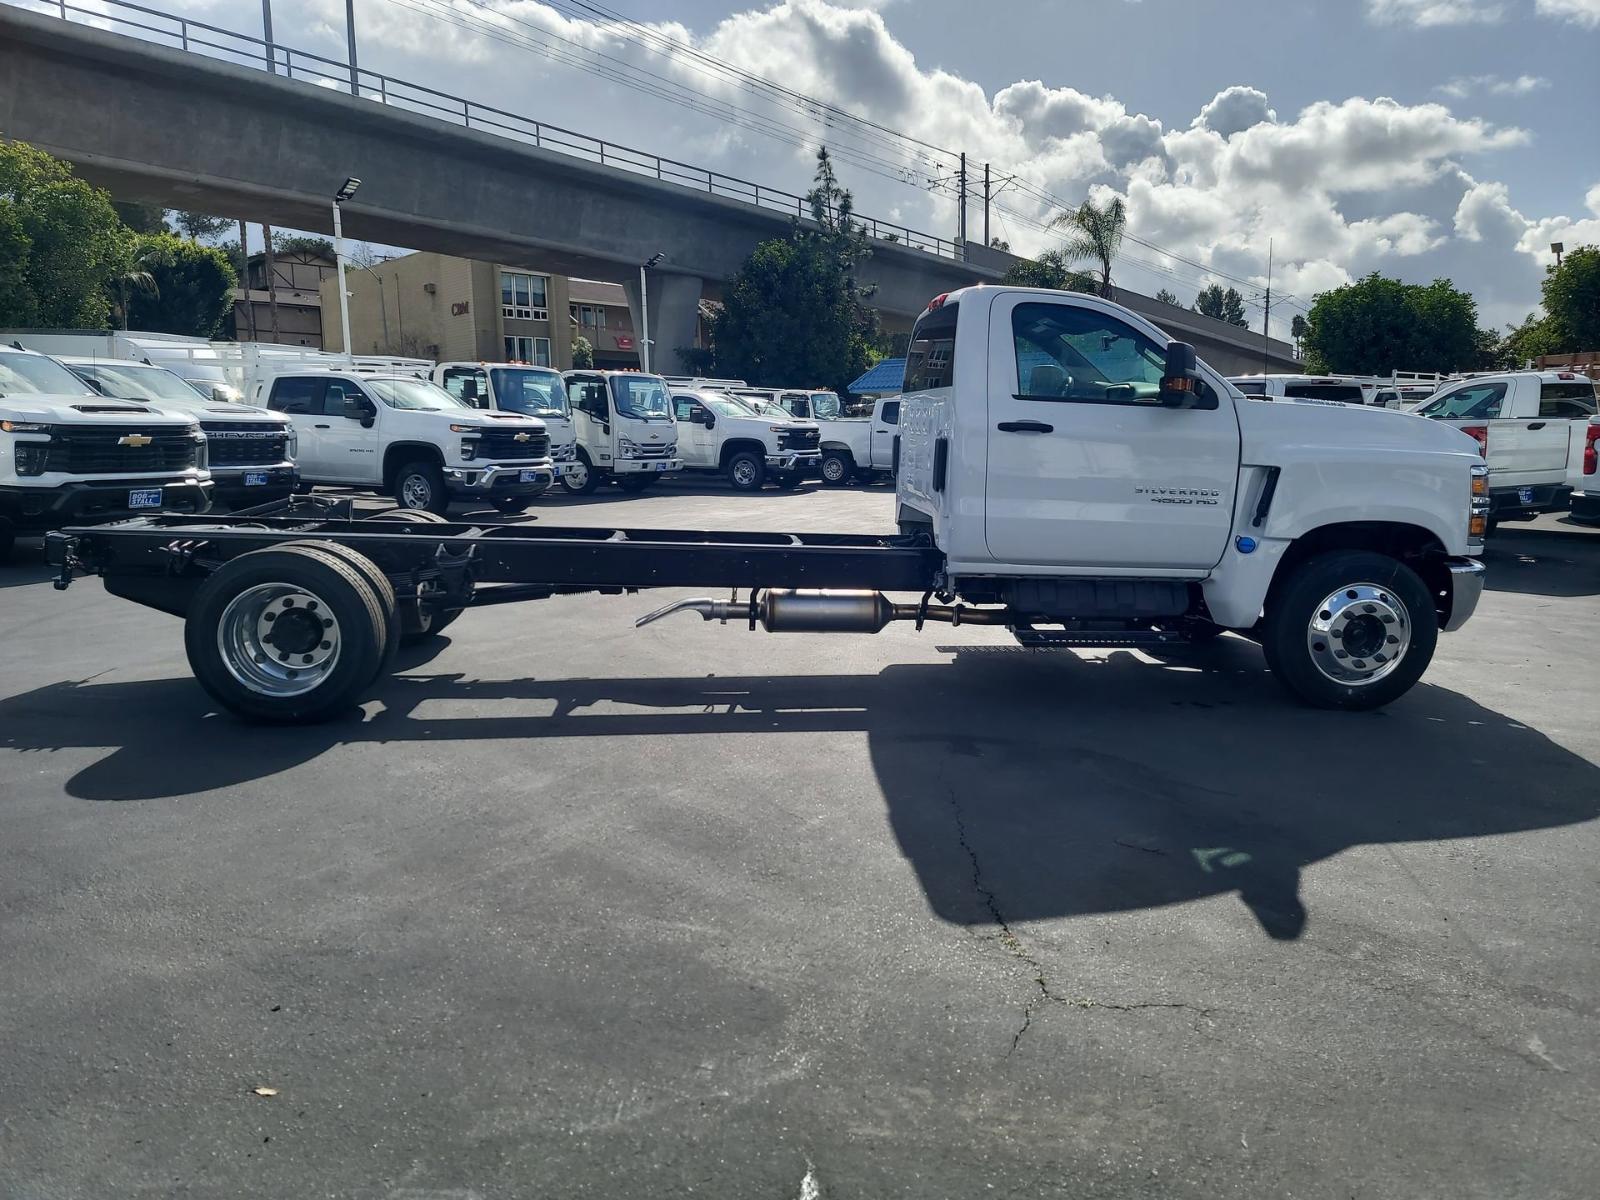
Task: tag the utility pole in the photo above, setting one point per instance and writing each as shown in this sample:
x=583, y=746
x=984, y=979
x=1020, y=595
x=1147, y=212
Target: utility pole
x=961, y=217
x=987, y=240
x=1266, y=318
x=272, y=276
x=266, y=35
x=244, y=278
x=350, y=37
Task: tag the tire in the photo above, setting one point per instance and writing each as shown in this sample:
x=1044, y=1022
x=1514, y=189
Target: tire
x=393, y=621
x=414, y=625
x=634, y=484
x=408, y=516
x=584, y=481
x=1346, y=660
x=420, y=485
x=228, y=654
x=838, y=468
x=787, y=481
x=746, y=472
x=512, y=505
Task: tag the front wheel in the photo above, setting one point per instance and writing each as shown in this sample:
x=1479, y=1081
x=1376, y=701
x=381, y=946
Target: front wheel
x=746, y=472
x=420, y=485
x=837, y=468
x=582, y=479
x=634, y=484
x=1350, y=629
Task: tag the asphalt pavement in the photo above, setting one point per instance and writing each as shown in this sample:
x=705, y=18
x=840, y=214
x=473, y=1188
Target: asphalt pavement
x=571, y=909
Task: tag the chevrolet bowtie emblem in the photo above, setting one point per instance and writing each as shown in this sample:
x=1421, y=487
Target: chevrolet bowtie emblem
x=523, y=437
x=134, y=439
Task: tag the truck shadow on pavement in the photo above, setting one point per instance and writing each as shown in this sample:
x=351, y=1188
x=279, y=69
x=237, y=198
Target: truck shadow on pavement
x=1019, y=785
x=1543, y=562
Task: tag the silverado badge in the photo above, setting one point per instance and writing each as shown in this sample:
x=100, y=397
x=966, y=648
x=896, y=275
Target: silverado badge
x=134, y=439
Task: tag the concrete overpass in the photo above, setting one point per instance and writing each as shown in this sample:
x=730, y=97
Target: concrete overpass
x=152, y=123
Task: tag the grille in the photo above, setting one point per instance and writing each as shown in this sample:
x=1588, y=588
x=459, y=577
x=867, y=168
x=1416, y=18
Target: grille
x=241, y=445
x=800, y=439
x=501, y=445
x=654, y=450
x=96, y=450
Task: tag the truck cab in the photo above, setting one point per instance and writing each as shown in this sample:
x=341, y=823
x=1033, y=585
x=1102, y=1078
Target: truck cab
x=69, y=456
x=537, y=392
x=409, y=438
x=627, y=433
x=250, y=451
x=1531, y=425
x=1332, y=389
x=719, y=432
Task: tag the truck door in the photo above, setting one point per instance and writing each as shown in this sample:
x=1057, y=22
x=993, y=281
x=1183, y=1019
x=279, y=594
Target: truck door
x=697, y=445
x=1086, y=467
x=469, y=384
x=885, y=427
x=591, y=416
x=299, y=397
x=349, y=433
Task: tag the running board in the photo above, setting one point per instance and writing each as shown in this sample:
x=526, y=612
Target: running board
x=1043, y=639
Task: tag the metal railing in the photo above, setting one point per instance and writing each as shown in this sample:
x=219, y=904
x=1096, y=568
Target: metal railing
x=243, y=49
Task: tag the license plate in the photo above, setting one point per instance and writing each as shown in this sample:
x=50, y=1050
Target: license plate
x=661, y=466
x=255, y=479
x=529, y=477
x=1525, y=495
x=150, y=498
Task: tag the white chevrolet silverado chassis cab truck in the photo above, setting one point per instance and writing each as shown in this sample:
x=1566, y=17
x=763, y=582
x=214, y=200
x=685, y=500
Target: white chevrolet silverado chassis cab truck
x=1076, y=467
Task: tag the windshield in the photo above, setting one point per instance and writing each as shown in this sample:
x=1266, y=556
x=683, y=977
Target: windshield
x=36, y=375
x=642, y=397
x=1477, y=401
x=533, y=393
x=139, y=383
x=1340, y=393
x=413, y=394
x=825, y=406
x=723, y=406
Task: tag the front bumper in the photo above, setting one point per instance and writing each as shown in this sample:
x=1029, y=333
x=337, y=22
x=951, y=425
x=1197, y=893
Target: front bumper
x=38, y=510
x=517, y=479
x=245, y=487
x=1466, y=586
x=644, y=466
x=796, y=460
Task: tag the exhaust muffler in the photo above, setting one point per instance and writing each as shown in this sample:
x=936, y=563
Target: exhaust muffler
x=783, y=610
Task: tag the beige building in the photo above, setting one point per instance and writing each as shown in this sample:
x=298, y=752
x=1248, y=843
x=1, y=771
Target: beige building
x=297, y=276
x=428, y=305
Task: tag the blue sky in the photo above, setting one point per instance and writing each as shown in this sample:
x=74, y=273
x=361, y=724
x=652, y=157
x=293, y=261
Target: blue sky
x=1414, y=137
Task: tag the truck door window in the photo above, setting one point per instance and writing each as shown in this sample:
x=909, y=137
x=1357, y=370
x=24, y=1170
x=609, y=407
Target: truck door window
x=931, y=353
x=296, y=395
x=1065, y=352
x=891, y=412
x=1567, y=401
x=333, y=397
x=684, y=408
x=1476, y=402
x=589, y=396
x=470, y=385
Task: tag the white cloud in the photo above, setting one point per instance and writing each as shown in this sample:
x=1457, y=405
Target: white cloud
x=1425, y=14
x=1581, y=12
x=1234, y=110
x=1463, y=86
x=1486, y=212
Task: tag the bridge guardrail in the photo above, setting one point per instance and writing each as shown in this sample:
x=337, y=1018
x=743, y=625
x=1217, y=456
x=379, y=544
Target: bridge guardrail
x=248, y=50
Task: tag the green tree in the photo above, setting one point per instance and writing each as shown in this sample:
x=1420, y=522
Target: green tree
x=795, y=314
x=1297, y=330
x=582, y=353
x=60, y=243
x=1536, y=336
x=193, y=287
x=1095, y=232
x=198, y=225
x=1167, y=297
x=141, y=218
x=1377, y=325
x=1224, y=304
x=303, y=243
x=1050, y=270
x=136, y=278
x=1572, y=300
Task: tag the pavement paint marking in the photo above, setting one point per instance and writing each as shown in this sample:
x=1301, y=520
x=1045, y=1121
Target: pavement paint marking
x=1224, y=856
x=1536, y=1048
x=810, y=1189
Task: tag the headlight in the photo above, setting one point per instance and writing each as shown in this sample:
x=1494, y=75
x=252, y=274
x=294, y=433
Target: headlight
x=464, y=429
x=469, y=448
x=291, y=444
x=626, y=447
x=31, y=457
x=24, y=427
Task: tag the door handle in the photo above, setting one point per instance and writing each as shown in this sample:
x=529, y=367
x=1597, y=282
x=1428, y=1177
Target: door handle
x=1537, y=425
x=1025, y=427
x=322, y=427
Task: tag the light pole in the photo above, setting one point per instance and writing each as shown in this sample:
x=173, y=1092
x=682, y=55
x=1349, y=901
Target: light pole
x=644, y=309
x=339, y=197
x=1556, y=248
x=383, y=309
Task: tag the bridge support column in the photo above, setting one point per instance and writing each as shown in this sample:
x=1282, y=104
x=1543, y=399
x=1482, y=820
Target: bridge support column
x=674, y=316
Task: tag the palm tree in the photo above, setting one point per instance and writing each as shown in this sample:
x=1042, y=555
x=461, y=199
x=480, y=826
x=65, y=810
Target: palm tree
x=1095, y=232
x=137, y=279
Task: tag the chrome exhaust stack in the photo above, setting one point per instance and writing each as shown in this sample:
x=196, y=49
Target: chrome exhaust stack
x=785, y=610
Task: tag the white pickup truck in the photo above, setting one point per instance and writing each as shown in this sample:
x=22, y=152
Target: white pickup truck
x=860, y=447
x=719, y=432
x=1530, y=426
x=519, y=388
x=1583, y=473
x=408, y=438
x=69, y=456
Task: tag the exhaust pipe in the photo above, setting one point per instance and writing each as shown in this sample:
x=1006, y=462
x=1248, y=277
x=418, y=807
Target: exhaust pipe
x=782, y=610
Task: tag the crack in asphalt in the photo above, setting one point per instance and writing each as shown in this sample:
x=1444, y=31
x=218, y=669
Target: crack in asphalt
x=1016, y=949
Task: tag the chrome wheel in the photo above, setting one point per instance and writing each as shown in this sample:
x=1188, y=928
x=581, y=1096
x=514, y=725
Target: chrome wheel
x=277, y=639
x=833, y=470
x=1359, y=634
x=416, y=492
x=744, y=473
x=576, y=479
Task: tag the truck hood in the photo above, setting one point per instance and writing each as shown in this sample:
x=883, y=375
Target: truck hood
x=86, y=410
x=1267, y=426
x=494, y=419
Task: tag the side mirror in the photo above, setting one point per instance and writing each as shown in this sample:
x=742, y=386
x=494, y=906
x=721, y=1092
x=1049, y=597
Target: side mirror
x=710, y=421
x=356, y=408
x=1180, y=381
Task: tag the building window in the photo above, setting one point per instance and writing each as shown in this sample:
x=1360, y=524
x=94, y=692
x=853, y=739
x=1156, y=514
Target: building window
x=541, y=352
x=588, y=316
x=535, y=350
x=523, y=297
